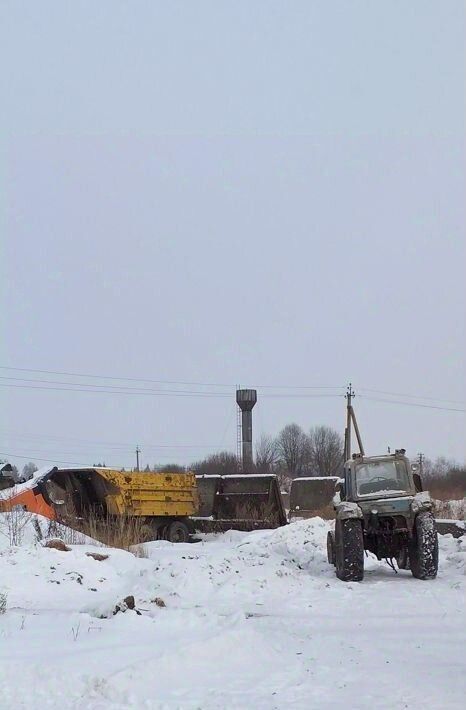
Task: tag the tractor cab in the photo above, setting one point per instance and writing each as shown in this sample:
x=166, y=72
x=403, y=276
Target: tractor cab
x=389, y=476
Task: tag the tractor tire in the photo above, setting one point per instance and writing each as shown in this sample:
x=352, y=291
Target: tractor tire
x=423, y=548
x=402, y=559
x=177, y=532
x=331, y=547
x=349, y=550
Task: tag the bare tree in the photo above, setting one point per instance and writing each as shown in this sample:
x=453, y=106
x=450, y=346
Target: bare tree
x=223, y=463
x=284, y=478
x=14, y=522
x=29, y=470
x=170, y=468
x=444, y=478
x=267, y=454
x=294, y=449
x=326, y=451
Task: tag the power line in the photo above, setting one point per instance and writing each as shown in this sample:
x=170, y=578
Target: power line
x=124, y=447
x=32, y=457
x=97, y=452
x=111, y=387
x=70, y=463
x=111, y=377
x=150, y=393
x=161, y=382
x=412, y=404
x=299, y=396
x=52, y=385
x=199, y=384
x=75, y=387
x=411, y=396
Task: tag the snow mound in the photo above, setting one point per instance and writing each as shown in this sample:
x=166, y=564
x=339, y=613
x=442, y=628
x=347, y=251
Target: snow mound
x=251, y=619
x=454, y=553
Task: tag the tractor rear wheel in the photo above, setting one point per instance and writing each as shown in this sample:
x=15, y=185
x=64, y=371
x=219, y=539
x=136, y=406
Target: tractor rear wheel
x=331, y=547
x=349, y=550
x=423, y=548
x=177, y=532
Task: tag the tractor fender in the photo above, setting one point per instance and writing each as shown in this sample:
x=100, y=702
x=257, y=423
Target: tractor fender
x=421, y=501
x=346, y=510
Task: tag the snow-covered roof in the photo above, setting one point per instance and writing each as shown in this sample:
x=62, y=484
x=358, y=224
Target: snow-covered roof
x=235, y=475
x=316, y=478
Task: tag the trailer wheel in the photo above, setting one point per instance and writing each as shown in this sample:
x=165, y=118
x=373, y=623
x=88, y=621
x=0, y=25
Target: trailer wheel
x=162, y=532
x=349, y=550
x=177, y=532
x=423, y=548
x=331, y=547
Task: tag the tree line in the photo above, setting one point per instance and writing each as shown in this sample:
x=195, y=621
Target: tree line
x=295, y=452
x=20, y=476
x=291, y=454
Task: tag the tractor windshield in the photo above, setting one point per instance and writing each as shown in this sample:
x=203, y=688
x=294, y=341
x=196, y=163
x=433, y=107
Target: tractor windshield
x=381, y=477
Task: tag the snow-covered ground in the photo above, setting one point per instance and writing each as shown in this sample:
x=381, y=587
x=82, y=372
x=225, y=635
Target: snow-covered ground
x=252, y=620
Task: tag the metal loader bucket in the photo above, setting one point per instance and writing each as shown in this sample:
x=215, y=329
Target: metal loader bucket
x=312, y=496
x=239, y=502
x=206, y=490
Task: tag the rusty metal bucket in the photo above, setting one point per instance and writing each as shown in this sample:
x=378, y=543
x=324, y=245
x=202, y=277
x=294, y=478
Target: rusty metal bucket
x=239, y=502
x=312, y=496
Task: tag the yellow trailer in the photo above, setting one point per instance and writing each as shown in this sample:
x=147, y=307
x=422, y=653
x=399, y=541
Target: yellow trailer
x=94, y=500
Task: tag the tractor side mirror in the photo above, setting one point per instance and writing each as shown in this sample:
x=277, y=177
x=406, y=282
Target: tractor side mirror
x=417, y=482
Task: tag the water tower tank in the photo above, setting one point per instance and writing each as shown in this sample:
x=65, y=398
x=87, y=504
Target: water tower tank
x=246, y=399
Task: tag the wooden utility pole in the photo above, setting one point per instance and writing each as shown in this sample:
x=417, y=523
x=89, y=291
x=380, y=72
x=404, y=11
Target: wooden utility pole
x=420, y=460
x=138, y=451
x=349, y=397
x=351, y=421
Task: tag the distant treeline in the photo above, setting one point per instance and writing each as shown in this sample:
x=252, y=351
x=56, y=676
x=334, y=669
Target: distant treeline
x=295, y=452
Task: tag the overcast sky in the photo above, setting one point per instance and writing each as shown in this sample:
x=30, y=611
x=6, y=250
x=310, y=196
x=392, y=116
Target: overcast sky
x=259, y=193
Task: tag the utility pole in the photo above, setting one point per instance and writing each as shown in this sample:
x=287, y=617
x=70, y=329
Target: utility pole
x=351, y=420
x=420, y=460
x=138, y=451
x=349, y=396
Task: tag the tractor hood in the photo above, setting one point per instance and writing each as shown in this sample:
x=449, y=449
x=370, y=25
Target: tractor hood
x=387, y=506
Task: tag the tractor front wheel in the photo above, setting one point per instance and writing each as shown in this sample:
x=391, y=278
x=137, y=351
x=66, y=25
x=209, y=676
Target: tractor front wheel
x=349, y=550
x=423, y=548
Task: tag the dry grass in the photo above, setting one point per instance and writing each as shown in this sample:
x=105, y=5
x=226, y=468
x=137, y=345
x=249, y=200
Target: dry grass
x=450, y=509
x=123, y=531
x=249, y=511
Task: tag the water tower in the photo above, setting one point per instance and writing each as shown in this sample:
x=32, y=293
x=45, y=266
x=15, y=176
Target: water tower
x=246, y=400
